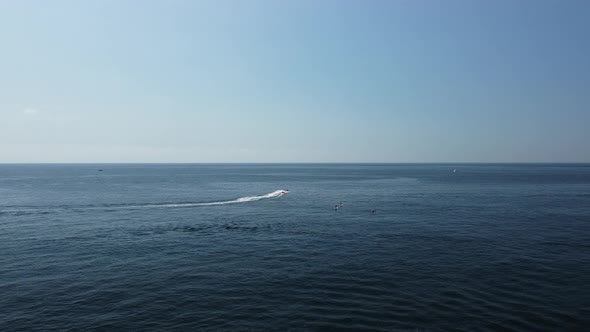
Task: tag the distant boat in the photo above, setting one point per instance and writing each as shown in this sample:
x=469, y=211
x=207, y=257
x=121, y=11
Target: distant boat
x=100, y=170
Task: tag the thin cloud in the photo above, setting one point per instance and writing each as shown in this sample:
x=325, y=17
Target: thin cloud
x=30, y=111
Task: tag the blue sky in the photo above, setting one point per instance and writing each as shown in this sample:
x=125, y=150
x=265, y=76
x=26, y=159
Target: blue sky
x=295, y=81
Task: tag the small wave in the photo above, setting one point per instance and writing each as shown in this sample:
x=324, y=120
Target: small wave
x=246, y=199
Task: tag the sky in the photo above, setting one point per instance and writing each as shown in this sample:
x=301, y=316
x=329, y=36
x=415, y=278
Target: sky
x=295, y=81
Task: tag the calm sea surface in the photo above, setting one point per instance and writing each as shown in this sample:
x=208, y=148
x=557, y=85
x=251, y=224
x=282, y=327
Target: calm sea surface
x=132, y=248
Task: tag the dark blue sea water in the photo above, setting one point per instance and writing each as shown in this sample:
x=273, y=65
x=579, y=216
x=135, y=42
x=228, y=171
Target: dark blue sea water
x=485, y=248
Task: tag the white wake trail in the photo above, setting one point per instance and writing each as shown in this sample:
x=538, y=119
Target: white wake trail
x=274, y=194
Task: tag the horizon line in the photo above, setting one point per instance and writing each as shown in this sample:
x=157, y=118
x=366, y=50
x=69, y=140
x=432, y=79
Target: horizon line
x=304, y=162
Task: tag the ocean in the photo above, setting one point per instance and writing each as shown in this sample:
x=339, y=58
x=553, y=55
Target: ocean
x=209, y=247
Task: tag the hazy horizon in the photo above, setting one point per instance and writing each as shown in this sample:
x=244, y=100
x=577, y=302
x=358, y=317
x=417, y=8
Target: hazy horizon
x=294, y=81
x=456, y=164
